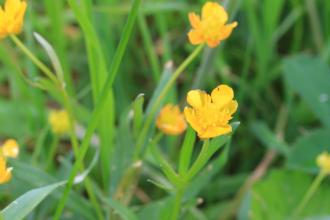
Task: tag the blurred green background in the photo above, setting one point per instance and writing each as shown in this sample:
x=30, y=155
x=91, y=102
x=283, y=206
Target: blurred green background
x=276, y=60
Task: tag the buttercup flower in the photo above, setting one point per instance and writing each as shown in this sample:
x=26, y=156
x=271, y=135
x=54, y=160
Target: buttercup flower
x=323, y=161
x=171, y=121
x=210, y=114
x=212, y=27
x=10, y=148
x=59, y=121
x=11, y=17
x=5, y=173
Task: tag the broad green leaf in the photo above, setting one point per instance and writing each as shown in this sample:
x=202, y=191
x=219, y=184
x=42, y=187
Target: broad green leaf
x=25, y=204
x=310, y=78
x=303, y=154
x=277, y=196
x=22, y=206
x=35, y=178
x=268, y=138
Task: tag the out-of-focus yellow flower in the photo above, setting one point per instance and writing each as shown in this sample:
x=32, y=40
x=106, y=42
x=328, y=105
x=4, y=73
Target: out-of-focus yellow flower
x=323, y=161
x=59, y=122
x=5, y=173
x=171, y=121
x=10, y=148
x=212, y=27
x=11, y=17
x=210, y=114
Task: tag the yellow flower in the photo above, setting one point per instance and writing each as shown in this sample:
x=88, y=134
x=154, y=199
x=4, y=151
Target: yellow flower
x=210, y=114
x=11, y=17
x=171, y=121
x=5, y=173
x=212, y=28
x=323, y=161
x=10, y=148
x=59, y=122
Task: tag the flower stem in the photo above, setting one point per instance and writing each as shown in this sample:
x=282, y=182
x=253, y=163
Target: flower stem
x=311, y=191
x=52, y=152
x=177, y=204
x=199, y=163
x=34, y=59
x=162, y=95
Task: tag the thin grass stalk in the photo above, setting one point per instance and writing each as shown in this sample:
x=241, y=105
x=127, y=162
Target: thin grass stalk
x=69, y=109
x=99, y=106
x=162, y=95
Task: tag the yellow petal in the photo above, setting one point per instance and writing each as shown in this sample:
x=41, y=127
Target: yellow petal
x=5, y=173
x=195, y=37
x=227, y=30
x=323, y=161
x=213, y=43
x=3, y=31
x=10, y=148
x=5, y=176
x=215, y=131
x=192, y=119
x=12, y=8
x=195, y=20
x=171, y=121
x=222, y=95
x=198, y=98
x=214, y=11
x=232, y=107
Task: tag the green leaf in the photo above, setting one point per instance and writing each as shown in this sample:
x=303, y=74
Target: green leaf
x=280, y=193
x=22, y=206
x=165, y=166
x=166, y=75
x=268, y=138
x=52, y=56
x=303, y=154
x=138, y=113
x=243, y=212
x=310, y=78
x=122, y=210
x=157, y=210
x=186, y=150
x=34, y=177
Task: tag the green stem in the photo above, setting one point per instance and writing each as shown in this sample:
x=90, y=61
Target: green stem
x=68, y=108
x=99, y=106
x=311, y=191
x=39, y=145
x=199, y=163
x=177, y=204
x=162, y=95
x=52, y=152
x=34, y=59
x=149, y=45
